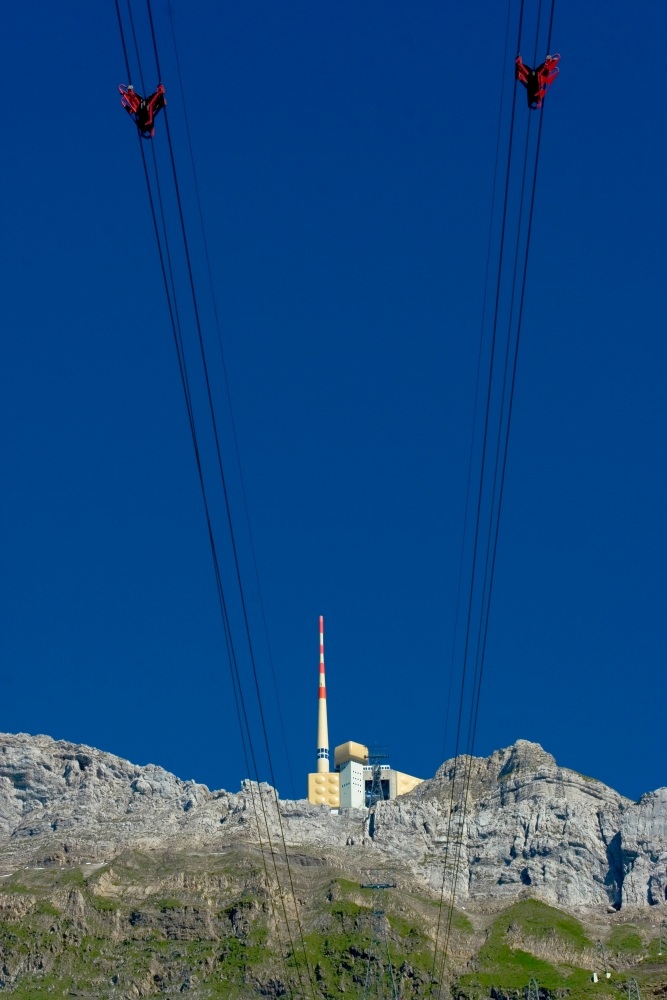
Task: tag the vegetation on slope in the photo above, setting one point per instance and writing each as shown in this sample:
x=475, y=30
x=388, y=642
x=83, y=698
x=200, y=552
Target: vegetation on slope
x=164, y=925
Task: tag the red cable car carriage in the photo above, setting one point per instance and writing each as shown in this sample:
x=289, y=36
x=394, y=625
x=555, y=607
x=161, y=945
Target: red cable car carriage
x=537, y=80
x=142, y=109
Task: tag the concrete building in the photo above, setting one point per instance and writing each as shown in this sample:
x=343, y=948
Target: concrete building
x=352, y=785
x=349, y=785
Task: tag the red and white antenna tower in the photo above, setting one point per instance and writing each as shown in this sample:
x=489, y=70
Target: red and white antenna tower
x=322, y=724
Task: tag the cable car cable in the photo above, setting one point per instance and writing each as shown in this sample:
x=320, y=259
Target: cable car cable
x=478, y=516
x=496, y=502
x=232, y=536
x=229, y=401
x=236, y=683
x=231, y=532
x=487, y=271
x=502, y=451
x=502, y=476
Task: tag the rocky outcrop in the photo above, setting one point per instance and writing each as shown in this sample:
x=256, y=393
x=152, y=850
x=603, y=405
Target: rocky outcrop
x=498, y=827
x=66, y=801
x=525, y=823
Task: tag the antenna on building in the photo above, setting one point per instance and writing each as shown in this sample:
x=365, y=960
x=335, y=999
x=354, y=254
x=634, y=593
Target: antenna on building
x=323, y=785
x=359, y=780
x=378, y=758
x=322, y=723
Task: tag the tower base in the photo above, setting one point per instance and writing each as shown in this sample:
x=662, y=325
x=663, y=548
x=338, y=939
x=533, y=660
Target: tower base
x=324, y=789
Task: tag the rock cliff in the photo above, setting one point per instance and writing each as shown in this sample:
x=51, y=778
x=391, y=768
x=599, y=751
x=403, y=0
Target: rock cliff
x=501, y=827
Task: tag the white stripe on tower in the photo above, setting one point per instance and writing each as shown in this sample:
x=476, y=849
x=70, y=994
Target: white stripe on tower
x=322, y=725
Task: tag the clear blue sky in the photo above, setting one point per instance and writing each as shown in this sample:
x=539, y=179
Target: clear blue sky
x=345, y=156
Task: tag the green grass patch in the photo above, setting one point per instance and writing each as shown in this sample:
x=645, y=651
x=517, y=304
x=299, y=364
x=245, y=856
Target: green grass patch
x=505, y=967
x=238, y=956
x=511, y=968
x=92, y=947
x=42, y=987
x=102, y=903
x=403, y=927
x=45, y=908
x=73, y=877
x=625, y=939
x=168, y=905
x=538, y=920
x=346, y=885
x=459, y=922
x=571, y=984
x=331, y=953
x=657, y=950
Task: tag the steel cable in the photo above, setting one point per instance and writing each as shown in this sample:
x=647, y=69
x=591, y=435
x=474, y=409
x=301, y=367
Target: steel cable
x=502, y=444
x=236, y=681
x=232, y=536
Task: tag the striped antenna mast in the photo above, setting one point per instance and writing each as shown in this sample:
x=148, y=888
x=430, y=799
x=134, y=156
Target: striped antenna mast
x=322, y=724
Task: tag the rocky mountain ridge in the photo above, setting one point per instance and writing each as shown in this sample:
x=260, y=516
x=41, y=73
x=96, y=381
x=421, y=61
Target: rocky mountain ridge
x=506, y=826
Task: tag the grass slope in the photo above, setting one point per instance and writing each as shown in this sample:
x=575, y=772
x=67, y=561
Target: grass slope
x=160, y=926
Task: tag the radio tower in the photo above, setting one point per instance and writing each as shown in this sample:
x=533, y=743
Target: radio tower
x=322, y=724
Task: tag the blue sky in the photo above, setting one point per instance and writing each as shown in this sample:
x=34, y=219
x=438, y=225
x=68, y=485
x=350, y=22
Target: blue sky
x=345, y=159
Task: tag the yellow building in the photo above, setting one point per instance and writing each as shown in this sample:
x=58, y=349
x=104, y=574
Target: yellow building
x=349, y=785
x=324, y=789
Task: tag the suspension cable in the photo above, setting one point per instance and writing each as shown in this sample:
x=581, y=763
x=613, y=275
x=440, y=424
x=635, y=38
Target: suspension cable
x=236, y=679
x=470, y=599
x=232, y=535
x=232, y=421
x=176, y=329
x=497, y=491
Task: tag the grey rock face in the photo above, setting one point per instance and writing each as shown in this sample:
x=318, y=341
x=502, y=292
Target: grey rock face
x=530, y=825
x=496, y=827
